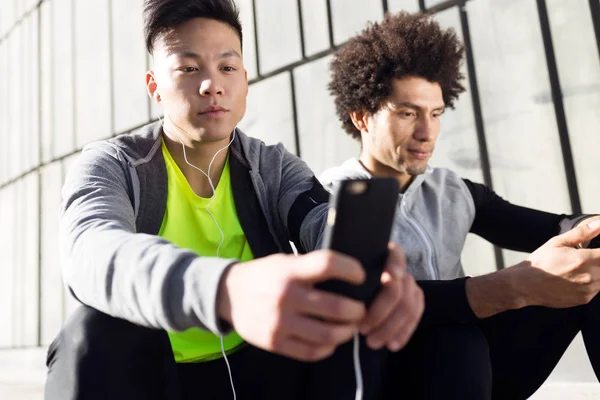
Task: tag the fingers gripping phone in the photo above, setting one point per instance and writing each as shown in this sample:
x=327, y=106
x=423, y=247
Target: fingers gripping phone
x=359, y=224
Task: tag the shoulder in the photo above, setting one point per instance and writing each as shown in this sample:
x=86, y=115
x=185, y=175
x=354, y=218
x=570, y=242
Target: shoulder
x=448, y=185
x=446, y=180
x=349, y=169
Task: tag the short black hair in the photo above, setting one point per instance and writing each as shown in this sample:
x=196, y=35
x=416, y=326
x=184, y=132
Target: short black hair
x=162, y=15
x=401, y=45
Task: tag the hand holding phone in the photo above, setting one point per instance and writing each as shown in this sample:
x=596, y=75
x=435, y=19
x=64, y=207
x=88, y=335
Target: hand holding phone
x=359, y=225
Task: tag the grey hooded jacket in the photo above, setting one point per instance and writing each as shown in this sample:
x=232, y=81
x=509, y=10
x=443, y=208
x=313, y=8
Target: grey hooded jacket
x=114, y=199
x=432, y=219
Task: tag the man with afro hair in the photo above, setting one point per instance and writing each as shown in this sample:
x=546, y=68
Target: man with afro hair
x=493, y=336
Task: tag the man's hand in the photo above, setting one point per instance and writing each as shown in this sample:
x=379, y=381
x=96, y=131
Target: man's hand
x=588, y=221
x=563, y=276
x=397, y=309
x=272, y=304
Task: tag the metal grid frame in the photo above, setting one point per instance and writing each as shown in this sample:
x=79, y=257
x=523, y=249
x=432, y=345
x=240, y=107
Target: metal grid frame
x=555, y=86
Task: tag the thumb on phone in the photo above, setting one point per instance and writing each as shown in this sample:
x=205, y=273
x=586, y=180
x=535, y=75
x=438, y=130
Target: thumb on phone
x=580, y=234
x=322, y=265
x=395, y=264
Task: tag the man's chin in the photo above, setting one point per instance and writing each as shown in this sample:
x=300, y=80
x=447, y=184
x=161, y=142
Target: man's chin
x=417, y=170
x=213, y=137
x=209, y=132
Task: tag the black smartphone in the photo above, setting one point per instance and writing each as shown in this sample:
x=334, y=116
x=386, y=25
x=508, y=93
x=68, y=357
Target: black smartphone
x=359, y=224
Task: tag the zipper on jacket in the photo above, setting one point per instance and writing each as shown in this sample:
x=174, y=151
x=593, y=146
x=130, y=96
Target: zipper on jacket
x=428, y=245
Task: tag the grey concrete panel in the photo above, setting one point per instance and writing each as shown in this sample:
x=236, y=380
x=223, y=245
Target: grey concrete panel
x=30, y=4
x=350, y=17
x=46, y=83
x=20, y=123
x=17, y=322
x=575, y=46
x=6, y=121
x=323, y=142
x=20, y=8
x=583, y=122
x=411, y=6
x=579, y=72
x=63, y=78
x=4, y=18
x=316, y=26
x=16, y=88
x=278, y=33
x=7, y=266
x=130, y=106
x=10, y=116
x=27, y=109
x=249, y=42
x=32, y=105
x=4, y=113
x=28, y=314
x=517, y=104
x=9, y=16
x=269, y=113
x=52, y=291
x=432, y=3
x=92, y=72
x=23, y=322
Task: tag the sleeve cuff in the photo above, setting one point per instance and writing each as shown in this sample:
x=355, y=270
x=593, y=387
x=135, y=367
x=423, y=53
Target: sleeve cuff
x=446, y=302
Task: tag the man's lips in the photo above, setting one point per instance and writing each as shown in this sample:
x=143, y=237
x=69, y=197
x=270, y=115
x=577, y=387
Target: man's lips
x=214, y=111
x=420, y=154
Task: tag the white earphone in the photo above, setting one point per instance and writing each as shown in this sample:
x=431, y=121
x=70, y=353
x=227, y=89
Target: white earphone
x=213, y=197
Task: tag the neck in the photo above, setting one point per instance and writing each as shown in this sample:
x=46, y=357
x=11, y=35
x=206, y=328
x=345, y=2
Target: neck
x=380, y=170
x=200, y=155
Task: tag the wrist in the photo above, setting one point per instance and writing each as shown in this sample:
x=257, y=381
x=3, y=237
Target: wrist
x=223, y=298
x=497, y=292
x=518, y=285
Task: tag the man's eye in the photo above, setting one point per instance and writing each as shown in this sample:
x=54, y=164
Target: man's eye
x=228, y=68
x=189, y=69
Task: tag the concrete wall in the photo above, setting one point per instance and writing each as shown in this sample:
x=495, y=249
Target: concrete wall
x=72, y=71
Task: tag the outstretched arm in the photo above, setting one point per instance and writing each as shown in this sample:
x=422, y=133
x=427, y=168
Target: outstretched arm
x=556, y=275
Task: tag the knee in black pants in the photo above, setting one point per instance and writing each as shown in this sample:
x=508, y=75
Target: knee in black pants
x=97, y=356
x=443, y=362
x=591, y=333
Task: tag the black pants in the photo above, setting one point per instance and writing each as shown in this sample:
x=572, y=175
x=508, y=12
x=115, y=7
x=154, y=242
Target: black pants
x=96, y=356
x=507, y=356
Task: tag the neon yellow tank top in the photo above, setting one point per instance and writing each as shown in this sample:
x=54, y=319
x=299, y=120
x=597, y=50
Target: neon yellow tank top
x=187, y=224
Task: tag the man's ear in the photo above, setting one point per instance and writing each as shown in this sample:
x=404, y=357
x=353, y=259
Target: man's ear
x=151, y=86
x=359, y=119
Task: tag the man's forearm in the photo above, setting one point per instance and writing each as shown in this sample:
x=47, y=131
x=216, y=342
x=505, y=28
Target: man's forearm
x=496, y=292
